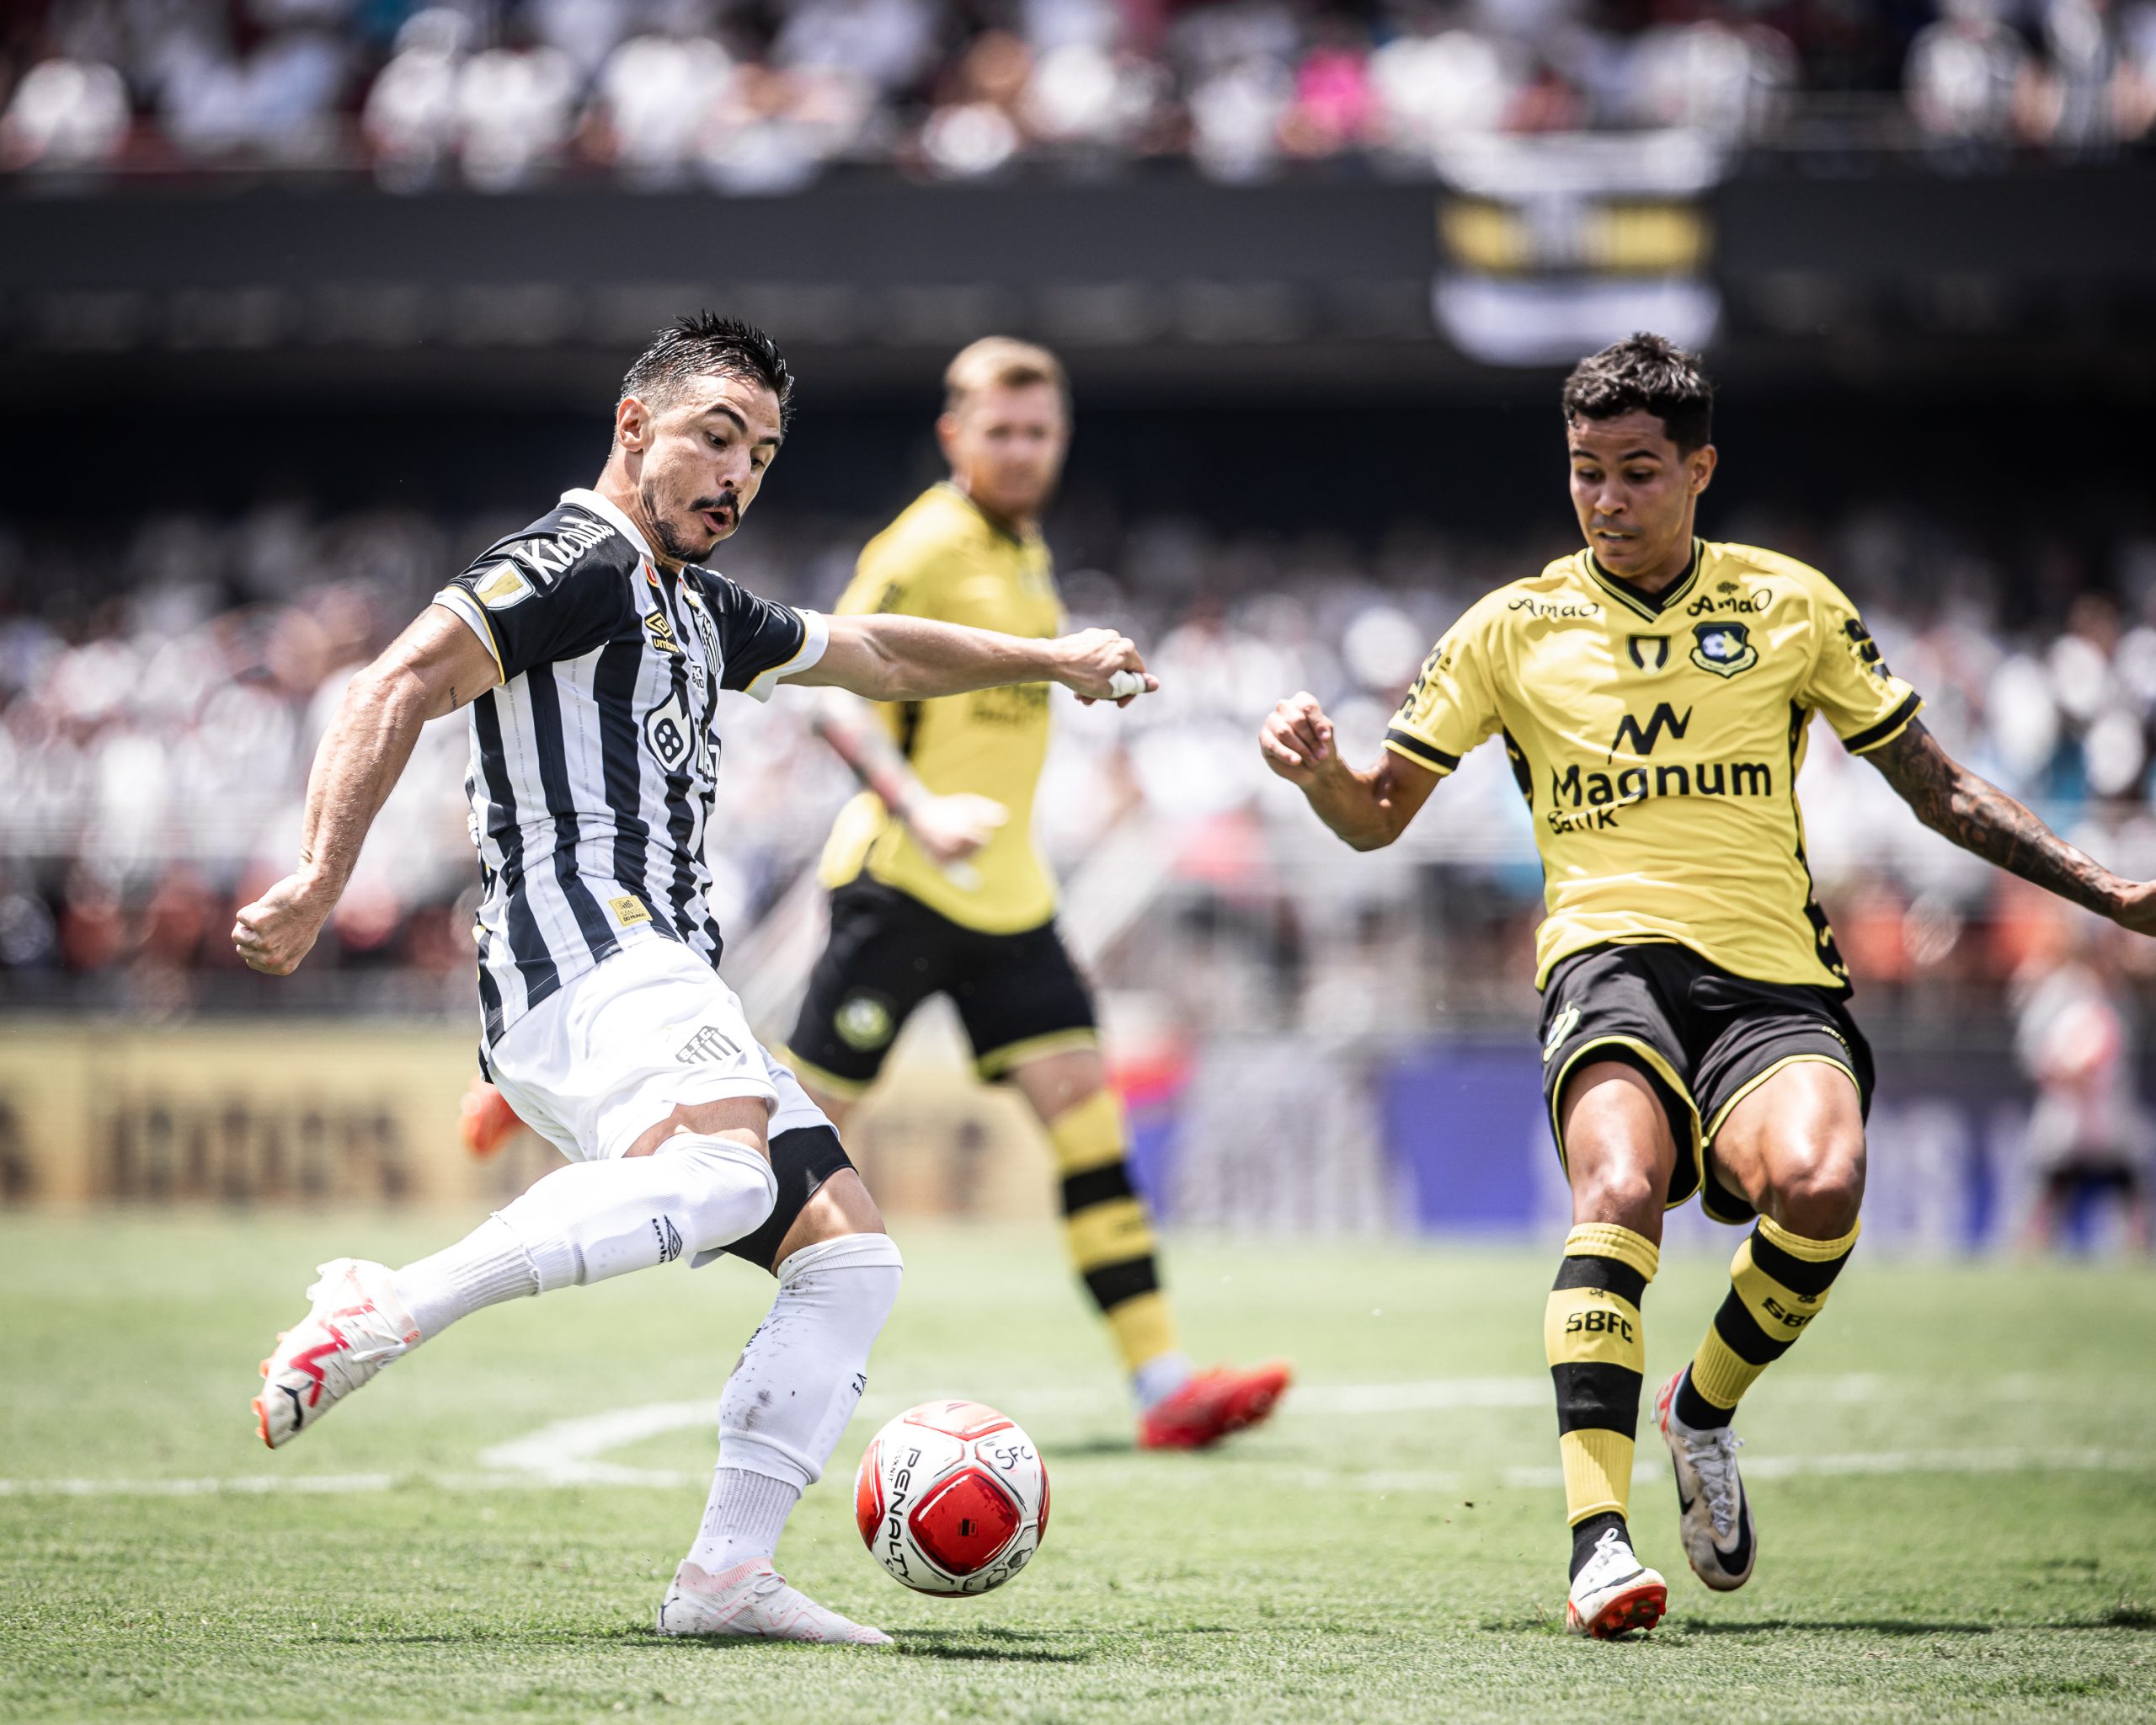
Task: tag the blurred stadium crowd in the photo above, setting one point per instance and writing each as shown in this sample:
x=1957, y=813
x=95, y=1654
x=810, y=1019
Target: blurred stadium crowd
x=158, y=710
x=761, y=96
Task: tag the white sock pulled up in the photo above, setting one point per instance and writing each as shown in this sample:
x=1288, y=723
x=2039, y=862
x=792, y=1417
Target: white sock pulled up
x=592, y=1221
x=798, y=1381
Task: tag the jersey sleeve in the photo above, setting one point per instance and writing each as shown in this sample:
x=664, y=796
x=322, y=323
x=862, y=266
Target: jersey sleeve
x=1452, y=705
x=554, y=591
x=763, y=642
x=1864, y=701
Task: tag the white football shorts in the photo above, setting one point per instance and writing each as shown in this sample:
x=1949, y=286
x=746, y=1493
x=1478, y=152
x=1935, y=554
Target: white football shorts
x=645, y=1031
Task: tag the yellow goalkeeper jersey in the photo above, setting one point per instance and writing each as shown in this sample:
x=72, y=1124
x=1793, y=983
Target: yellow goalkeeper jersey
x=943, y=558
x=1658, y=741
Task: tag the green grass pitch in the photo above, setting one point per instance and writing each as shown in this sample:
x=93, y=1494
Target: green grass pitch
x=1953, y=1476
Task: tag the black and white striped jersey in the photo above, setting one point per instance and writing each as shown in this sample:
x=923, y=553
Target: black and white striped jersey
x=594, y=761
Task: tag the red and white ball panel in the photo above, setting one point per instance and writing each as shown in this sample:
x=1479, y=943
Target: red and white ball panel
x=951, y=1497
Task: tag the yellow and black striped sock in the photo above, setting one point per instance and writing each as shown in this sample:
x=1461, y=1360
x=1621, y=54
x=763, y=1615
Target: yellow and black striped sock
x=1779, y=1281
x=1109, y=1232
x=1592, y=1337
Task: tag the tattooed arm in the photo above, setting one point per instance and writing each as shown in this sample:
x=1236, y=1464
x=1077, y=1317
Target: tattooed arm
x=1985, y=821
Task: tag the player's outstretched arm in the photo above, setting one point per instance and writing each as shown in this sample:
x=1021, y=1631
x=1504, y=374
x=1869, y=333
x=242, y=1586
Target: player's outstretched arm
x=1983, y=820
x=948, y=829
x=896, y=658
x=433, y=667
x=1367, y=810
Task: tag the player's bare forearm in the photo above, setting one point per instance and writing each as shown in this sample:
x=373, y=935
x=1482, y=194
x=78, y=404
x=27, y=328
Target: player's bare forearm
x=948, y=829
x=1367, y=810
x=1355, y=806
x=895, y=657
x=1985, y=821
x=871, y=756
x=435, y=667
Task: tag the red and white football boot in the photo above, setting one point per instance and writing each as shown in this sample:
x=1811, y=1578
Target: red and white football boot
x=1615, y=1592
x=752, y=1602
x=1214, y=1405
x=357, y=1327
x=485, y=1120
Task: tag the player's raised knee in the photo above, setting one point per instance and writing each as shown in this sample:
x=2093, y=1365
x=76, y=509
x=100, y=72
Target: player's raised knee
x=1819, y=1184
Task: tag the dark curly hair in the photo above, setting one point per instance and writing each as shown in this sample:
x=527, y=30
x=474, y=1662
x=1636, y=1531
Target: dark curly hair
x=1646, y=373
x=705, y=345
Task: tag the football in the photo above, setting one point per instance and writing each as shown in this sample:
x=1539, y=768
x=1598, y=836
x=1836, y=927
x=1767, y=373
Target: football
x=951, y=1497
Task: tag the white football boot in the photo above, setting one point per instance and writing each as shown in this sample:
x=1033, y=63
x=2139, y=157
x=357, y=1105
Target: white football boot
x=1615, y=1592
x=357, y=1327
x=752, y=1601
x=1716, y=1516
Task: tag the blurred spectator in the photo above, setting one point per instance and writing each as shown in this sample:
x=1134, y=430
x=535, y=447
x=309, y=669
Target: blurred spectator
x=64, y=114
x=760, y=99
x=2077, y=1039
x=2095, y=93
x=1432, y=85
x=1971, y=79
x=514, y=110
x=658, y=93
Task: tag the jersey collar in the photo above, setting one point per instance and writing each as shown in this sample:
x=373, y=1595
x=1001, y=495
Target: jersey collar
x=1647, y=605
x=592, y=503
x=985, y=519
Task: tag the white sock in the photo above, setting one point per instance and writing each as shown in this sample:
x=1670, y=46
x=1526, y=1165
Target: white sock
x=1159, y=1378
x=803, y=1372
x=744, y=1518
x=591, y=1220
x=488, y=1266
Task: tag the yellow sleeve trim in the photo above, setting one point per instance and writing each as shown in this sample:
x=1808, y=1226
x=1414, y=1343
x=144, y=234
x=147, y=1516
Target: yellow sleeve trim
x=461, y=605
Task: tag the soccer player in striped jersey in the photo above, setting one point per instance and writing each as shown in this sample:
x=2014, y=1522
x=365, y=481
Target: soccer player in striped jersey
x=938, y=884
x=591, y=649
x=1655, y=692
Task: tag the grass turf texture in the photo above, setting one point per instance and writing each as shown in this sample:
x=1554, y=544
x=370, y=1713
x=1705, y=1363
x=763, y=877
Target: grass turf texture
x=1379, y=1565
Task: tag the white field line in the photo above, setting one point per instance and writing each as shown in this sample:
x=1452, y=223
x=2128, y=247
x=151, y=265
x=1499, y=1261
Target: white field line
x=566, y=1453
x=1874, y=1461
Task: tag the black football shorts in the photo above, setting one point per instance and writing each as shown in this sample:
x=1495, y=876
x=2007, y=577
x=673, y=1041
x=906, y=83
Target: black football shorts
x=1702, y=1037
x=1017, y=994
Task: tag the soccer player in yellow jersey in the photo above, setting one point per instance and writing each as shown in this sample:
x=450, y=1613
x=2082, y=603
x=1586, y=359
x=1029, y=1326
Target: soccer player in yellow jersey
x=938, y=887
x=1655, y=693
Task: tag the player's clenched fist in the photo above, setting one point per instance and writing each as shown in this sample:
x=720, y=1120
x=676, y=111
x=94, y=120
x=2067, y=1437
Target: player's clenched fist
x=1296, y=738
x=1100, y=665
x=280, y=928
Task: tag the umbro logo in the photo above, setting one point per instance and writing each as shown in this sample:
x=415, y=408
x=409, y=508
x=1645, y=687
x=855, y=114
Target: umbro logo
x=661, y=632
x=670, y=1238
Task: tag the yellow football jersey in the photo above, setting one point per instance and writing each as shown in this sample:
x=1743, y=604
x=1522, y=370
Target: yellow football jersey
x=1658, y=741
x=943, y=558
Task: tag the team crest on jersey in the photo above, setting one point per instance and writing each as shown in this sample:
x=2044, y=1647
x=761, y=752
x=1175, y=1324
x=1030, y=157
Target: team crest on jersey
x=1723, y=648
x=1649, y=652
x=707, y=631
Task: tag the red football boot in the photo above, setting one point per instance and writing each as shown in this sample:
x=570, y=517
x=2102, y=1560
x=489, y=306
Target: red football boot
x=1214, y=1405
x=488, y=1122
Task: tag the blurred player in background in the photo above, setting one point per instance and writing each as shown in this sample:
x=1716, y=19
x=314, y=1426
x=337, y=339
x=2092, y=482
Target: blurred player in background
x=2078, y=1040
x=938, y=886
x=1654, y=692
x=591, y=651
